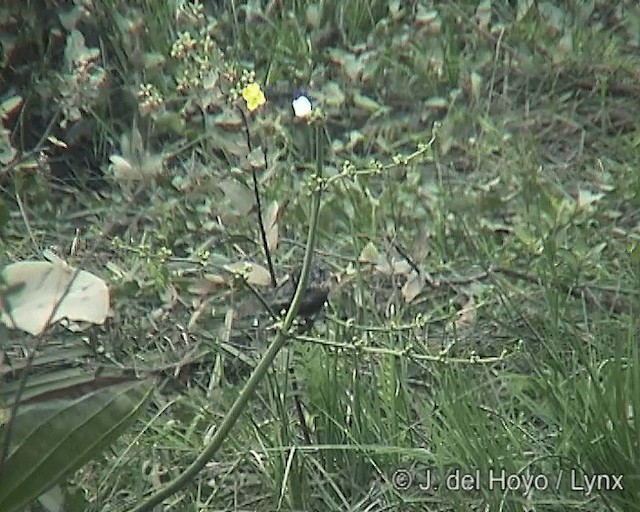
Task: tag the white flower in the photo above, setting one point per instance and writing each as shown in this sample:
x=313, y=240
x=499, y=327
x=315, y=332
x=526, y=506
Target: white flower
x=301, y=106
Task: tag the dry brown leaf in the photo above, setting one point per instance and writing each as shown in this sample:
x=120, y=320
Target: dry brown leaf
x=253, y=273
x=467, y=315
x=199, y=310
x=208, y=284
x=42, y=288
x=412, y=288
x=273, y=214
x=396, y=267
x=255, y=159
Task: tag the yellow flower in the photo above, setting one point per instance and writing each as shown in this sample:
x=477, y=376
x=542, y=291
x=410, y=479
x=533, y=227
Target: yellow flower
x=254, y=96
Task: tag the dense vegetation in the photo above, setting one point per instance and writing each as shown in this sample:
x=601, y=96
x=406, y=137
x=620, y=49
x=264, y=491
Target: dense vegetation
x=469, y=177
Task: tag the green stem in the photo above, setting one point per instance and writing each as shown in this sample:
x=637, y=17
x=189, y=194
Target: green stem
x=261, y=369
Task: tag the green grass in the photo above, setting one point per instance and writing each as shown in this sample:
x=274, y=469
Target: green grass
x=519, y=353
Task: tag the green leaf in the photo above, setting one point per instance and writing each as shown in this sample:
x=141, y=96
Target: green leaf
x=9, y=107
x=52, y=439
x=369, y=254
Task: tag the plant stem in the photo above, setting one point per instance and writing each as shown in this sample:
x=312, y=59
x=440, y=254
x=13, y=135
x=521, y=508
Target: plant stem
x=261, y=369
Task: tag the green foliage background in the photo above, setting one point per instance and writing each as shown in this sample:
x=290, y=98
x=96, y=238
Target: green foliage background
x=491, y=145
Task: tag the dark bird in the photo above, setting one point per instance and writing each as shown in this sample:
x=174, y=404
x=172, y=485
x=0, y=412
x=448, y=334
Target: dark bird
x=274, y=302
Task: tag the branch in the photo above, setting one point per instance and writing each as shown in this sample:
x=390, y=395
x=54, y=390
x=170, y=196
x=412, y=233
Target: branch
x=261, y=369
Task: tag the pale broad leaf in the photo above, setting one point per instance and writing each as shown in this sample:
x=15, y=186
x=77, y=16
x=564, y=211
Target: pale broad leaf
x=37, y=288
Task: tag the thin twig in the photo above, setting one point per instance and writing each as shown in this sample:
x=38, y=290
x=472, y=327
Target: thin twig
x=25, y=219
x=254, y=380
x=263, y=233
x=404, y=254
x=306, y=433
x=256, y=192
